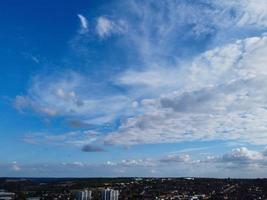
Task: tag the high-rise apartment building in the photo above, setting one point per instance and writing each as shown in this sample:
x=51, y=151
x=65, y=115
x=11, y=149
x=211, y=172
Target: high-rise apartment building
x=84, y=195
x=109, y=194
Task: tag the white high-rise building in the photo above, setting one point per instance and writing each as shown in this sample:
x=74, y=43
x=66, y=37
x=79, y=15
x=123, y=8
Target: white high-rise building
x=109, y=194
x=84, y=195
x=6, y=195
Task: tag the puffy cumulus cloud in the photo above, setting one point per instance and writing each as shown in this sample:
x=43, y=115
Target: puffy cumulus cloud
x=238, y=157
x=220, y=96
x=253, y=163
x=15, y=166
x=173, y=164
x=243, y=155
x=243, y=158
x=106, y=27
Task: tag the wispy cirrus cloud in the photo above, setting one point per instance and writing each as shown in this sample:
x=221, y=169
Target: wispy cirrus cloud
x=72, y=95
x=84, y=23
x=190, y=83
x=106, y=27
x=247, y=12
x=73, y=139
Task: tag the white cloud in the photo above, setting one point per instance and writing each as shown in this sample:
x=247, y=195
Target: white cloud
x=21, y=102
x=84, y=23
x=161, y=32
x=218, y=97
x=73, y=95
x=105, y=27
x=75, y=138
x=136, y=163
x=154, y=77
x=248, y=12
x=238, y=157
x=253, y=163
x=15, y=167
x=240, y=162
x=132, y=163
x=183, y=158
x=158, y=30
x=51, y=95
x=243, y=155
x=265, y=152
x=78, y=164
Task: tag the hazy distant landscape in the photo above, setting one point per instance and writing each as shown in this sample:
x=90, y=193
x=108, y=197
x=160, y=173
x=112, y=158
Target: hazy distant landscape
x=138, y=188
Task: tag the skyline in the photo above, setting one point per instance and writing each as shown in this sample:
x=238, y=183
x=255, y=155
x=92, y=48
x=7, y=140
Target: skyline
x=133, y=88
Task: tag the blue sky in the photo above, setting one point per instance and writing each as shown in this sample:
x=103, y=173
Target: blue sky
x=133, y=88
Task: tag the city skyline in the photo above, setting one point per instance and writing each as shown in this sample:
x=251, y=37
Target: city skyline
x=97, y=88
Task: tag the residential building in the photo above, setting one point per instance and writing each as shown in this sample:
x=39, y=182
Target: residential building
x=84, y=195
x=109, y=194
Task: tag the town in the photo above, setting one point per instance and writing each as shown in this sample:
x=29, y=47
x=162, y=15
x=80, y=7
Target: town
x=131, y=188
